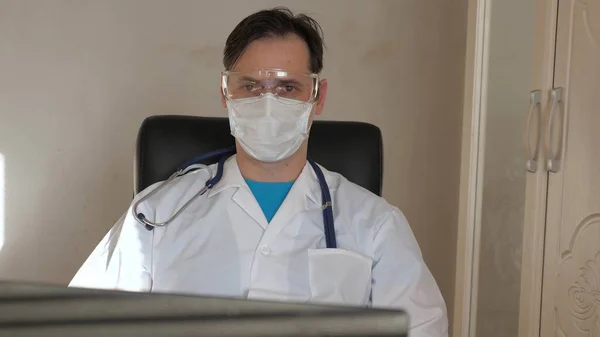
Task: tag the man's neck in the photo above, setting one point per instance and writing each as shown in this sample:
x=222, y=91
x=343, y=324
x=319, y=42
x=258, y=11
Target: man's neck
x=283, y=171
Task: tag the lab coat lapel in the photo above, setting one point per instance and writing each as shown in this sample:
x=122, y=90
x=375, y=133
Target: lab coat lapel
x=295, y=202
x=305, y=191
x=243, y=197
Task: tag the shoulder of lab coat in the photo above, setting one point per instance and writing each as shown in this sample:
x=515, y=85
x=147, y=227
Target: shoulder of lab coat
x=123, y=258
x=400, y=277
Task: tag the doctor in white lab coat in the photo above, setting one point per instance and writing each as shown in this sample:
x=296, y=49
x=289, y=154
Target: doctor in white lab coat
x=229, y=242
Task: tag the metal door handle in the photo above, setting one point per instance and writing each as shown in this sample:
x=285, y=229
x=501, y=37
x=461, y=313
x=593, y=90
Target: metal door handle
x=532, y=156
x=553, y=163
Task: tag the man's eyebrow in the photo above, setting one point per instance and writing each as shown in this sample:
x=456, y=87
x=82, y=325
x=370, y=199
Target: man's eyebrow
x=291, y=81
x=247, y=79
x=270, y=81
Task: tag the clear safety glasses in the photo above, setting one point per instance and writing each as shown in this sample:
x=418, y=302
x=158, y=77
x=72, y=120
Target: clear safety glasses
x=292, y=87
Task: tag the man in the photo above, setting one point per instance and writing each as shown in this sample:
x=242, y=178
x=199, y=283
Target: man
x=258, y=233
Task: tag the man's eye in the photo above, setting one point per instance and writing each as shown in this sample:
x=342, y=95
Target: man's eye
x=249, y=87
x=289, y=88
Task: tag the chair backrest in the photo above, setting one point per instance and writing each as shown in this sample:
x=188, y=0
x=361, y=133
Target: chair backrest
x=352, y=149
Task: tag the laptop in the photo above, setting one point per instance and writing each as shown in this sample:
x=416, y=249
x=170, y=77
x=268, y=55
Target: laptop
x=43, y=310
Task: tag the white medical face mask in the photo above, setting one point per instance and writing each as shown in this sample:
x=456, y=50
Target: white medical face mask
x=268, y=128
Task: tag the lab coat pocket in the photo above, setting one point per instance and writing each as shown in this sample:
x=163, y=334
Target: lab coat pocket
x=339, y=276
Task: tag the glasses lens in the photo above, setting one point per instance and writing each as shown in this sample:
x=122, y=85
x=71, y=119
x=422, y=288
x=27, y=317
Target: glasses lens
x=293, y=86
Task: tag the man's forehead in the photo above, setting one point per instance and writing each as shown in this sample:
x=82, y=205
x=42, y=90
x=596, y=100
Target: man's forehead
x=287, y=53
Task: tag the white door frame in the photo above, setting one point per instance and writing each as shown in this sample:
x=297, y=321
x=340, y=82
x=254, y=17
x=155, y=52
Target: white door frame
x=471, y=166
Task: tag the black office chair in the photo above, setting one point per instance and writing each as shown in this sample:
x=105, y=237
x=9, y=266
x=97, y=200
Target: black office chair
x=353, y=149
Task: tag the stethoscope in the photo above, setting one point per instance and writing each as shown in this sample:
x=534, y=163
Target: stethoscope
x=194, y=165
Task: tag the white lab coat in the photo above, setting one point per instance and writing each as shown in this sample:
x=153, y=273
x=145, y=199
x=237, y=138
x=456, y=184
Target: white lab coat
x=222, y=245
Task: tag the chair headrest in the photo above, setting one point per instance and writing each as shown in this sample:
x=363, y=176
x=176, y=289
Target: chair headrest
x=352, y=149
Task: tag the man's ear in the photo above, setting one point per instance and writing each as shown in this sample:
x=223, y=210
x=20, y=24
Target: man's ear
x=321, y=97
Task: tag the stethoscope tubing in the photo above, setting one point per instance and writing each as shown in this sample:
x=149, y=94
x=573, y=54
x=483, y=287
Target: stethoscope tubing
x=193, y=166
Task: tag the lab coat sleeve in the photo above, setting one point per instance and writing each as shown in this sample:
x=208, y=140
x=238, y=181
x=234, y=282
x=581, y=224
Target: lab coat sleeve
x=402, y=280
x=122, y=260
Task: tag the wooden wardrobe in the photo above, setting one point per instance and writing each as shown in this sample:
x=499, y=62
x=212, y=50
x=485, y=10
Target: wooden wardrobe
x=528, y=259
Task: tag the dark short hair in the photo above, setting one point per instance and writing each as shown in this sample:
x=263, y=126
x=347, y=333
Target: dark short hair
x=275, y=22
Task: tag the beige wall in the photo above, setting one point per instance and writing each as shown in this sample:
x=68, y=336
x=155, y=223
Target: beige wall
x=78, y=77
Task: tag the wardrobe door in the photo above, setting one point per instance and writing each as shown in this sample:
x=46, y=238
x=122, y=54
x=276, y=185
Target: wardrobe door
x=571, y=289
x=502, y=177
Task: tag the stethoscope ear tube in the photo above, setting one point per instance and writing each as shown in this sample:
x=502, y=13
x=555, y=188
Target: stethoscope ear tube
x=226, y=152
x=328, y=224
x=220, y=168
x=185, y=168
